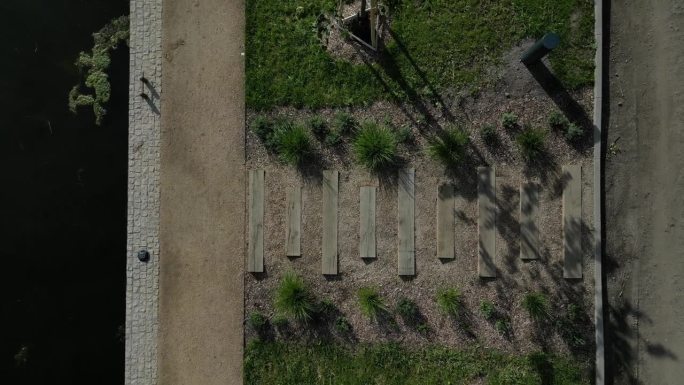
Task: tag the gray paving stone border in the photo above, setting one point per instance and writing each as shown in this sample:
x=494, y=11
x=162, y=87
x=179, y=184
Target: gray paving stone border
x=142, y=278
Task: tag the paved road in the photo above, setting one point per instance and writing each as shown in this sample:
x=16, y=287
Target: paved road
x=202, y=193
x=645, y=192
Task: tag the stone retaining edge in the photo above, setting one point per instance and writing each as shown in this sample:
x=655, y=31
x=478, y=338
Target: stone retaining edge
x=600, y=364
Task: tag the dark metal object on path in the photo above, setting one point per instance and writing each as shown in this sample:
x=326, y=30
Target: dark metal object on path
x=143, y=256
x=144, y=96
x=144, y=80
x=542, y=47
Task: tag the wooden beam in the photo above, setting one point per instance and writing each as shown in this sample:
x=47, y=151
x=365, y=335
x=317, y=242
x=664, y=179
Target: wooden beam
x=367, y=223
x=529, y=212
x=445, y=222
x=330, y=199
x=255, y=253
x=294, y=222
x=486, y=222
x=572, y=222
x=374, y=23
x=406, y=222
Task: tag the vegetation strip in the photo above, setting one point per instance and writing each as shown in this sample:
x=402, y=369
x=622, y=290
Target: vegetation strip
x=435, y=45
x=278, y=363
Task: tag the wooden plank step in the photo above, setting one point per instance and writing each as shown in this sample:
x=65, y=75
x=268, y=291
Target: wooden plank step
x=486, y=221
x=572, y=222
x=529, y=213
x=255, y=253
x=330, y=200
x=294, y=222
x=445, y=222
x=406, y=222
x=367, y=223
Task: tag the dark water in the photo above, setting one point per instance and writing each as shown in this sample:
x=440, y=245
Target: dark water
x=63, y=200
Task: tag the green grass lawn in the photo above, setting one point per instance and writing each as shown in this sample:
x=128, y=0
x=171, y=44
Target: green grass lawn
x=276, y=363
x=438, y=44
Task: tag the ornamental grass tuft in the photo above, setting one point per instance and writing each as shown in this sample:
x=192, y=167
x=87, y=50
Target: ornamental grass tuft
x=449, y=302
x=536, y=304
x=449, y=147
x=371, y=303
x=487, y=309
x=531, y=143
x=292, y=143
x=294, y=299
x=375, y=147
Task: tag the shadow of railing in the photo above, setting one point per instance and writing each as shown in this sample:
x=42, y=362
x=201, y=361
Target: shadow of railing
x=572, y=110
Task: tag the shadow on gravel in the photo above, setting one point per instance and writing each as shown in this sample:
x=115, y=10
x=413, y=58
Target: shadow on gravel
x=565, y=102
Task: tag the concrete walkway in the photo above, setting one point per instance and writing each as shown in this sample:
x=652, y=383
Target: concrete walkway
x=644, y=200
x=202, y=209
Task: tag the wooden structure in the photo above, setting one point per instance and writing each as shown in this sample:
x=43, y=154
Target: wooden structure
x=445, y=222
x=255, y=240
x=529, y=212
x=572, y=222
x=330, y=199
x=406, y=204
x=294, y=222
x=367, y=222
x=486, y=222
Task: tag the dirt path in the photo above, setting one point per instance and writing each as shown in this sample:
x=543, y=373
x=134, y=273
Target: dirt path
x=644, y=192
x=202, y=193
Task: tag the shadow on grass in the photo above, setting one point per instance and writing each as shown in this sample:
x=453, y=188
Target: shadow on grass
x=394, y=72
x=407, y=92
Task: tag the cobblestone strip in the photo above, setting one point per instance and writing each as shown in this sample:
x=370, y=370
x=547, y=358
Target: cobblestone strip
x=142, y=287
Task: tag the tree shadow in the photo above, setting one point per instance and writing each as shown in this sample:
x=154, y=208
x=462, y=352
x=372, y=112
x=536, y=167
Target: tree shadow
x=544, y=167
x=543, y=366
x=463, y=218
x=425, y=121
x=660, y=351
x=619, y=340
x=421, y=74
x=417, y=122
x=464, y=179
x=508, y=226
x=576, y=236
